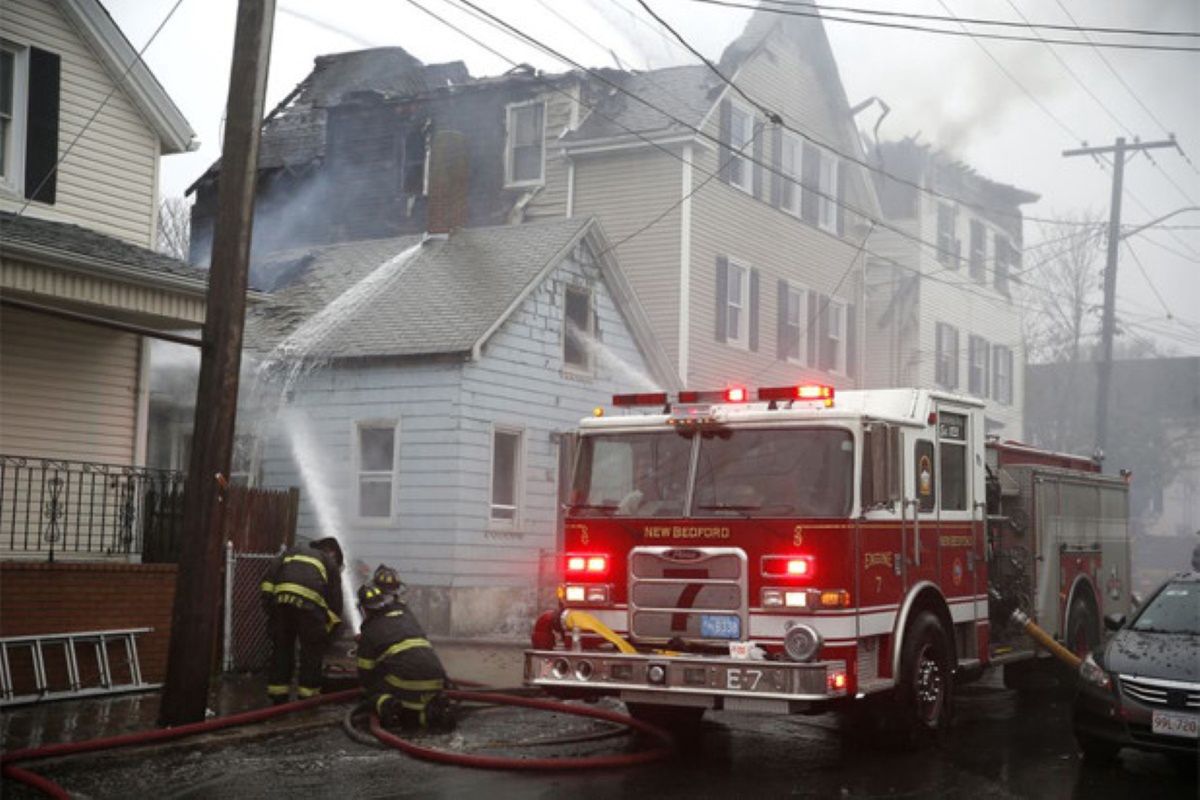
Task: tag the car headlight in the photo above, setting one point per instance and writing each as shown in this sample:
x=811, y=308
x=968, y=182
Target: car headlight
x=1092, y=673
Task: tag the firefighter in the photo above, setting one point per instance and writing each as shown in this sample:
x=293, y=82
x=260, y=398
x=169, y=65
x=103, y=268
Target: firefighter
x=401, y=674
x=302, y=595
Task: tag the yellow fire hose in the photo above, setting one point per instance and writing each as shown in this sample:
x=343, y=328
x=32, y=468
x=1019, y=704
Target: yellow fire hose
x=584, y=621
x=1046, y=640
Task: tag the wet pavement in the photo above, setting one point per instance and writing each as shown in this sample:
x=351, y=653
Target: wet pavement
x=1001, y=746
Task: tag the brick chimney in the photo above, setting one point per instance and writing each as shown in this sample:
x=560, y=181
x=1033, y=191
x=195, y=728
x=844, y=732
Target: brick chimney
x=447, y=182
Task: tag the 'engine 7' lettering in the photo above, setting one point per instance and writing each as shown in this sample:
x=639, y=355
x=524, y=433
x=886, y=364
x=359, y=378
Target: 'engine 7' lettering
x=743, y=679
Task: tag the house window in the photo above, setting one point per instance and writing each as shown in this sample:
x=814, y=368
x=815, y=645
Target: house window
x=828, y=186
x=946, y=361
x=978, y=351
x=790, y=150
x=793, y=324
x=376, y=444
x=506, y=469
x=13, y=82
x=947, y=240
x=978, y=251
x=526, y=144
x=416, y=162
x=1002, y=371
x=741, y=131
x=579, y=328
x=1004, y=261
x=833, y=339
x=736, y=301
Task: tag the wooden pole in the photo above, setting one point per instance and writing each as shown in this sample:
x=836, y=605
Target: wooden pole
x=198, y=586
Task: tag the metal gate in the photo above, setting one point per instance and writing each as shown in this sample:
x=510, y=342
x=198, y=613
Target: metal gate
x=247, y=645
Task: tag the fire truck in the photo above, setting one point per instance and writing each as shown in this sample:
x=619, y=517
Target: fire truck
x=802, y=549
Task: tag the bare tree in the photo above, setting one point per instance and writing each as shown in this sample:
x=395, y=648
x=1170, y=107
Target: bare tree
x=1064, y=293
x=175, y=227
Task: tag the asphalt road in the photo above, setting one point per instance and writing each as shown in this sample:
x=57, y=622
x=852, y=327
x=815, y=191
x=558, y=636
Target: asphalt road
x=1001, y=746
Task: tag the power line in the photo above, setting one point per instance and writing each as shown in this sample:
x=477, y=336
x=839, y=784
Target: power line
x=1076, y=28
x=137, y=59
x=1142, y=269
x=1169, y=249
x=793, y=12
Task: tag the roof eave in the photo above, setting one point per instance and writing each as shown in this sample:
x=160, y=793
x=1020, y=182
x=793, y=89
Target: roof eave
x=95, y=26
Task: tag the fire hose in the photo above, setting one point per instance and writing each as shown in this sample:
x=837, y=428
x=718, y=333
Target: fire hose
x=1039, y=635
x=663, y=749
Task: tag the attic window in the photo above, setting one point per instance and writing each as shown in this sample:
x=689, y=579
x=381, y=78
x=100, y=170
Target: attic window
x=416, y=157
x=578, y=328
x=525, y=155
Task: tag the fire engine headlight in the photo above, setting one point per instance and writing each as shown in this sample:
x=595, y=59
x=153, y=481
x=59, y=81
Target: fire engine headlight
x=1092, y=673
x=575, y=594
x=597, y=594
x=784, y=598
x=801, y=642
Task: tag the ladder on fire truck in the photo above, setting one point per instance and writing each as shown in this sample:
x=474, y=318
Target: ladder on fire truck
x=71, y=645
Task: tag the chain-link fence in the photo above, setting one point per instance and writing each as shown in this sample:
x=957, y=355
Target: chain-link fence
x=247, y=646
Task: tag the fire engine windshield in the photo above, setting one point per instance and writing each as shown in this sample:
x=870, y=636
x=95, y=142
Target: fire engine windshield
x=806, y=472
x=628, y=475
x=803, y=472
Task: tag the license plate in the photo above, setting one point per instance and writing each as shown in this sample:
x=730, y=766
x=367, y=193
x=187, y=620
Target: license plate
x=720, y=626
x=1170, y=723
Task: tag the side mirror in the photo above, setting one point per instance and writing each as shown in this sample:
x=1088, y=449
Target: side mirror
x=1113, y=622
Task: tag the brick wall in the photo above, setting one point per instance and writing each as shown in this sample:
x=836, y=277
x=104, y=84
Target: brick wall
x=41, y=598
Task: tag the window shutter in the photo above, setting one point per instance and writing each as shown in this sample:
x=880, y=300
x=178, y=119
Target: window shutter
x=41, y=142
x=725, y=136
x=1012, y=378
x=954, y=358
x=851, y=342
x=824, y=352
x=756, y=131
x=841, y=199
x=810, y=182
x=722, y=297
x=783, y=347
x=777, y=166
x=939, y=337
x=810, y=333
x=753, y=338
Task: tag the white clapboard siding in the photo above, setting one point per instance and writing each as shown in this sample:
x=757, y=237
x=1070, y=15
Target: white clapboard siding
x=107, y=181
x=67, y=390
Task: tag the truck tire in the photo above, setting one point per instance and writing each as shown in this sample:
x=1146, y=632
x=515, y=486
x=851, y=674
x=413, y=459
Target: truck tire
x=925, y=694
x=1083, y=636
x=678, y=720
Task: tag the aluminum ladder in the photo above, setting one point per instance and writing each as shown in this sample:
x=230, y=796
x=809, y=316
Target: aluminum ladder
x=39, y=646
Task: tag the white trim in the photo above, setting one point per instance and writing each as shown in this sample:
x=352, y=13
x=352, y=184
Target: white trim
x=518, y=485
x=609, y=144
x=827, y=197
x=801, y=357
x=737, y=153
x=685, y=262
x=509, y=183
x=570, y=188
x=96, y=28
x=742, y=341
x=839, y=365
x=787, y=138
x=14, y=183
x=356, y=426
x=141, y=434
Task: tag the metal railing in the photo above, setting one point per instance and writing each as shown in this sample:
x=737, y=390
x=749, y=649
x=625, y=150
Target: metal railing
x=53, y=506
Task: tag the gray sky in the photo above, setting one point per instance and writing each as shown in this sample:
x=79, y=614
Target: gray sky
x=947, y=88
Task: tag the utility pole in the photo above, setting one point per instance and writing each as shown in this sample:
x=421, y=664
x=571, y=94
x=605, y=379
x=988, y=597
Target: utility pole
x=197, y=587
x=1104, y=366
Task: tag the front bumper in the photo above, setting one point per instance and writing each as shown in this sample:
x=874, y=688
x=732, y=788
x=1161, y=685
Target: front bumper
x=1101, y=714
x=692, y=680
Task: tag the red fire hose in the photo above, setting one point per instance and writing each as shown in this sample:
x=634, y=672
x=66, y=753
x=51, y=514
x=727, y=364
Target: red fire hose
x=509, y=763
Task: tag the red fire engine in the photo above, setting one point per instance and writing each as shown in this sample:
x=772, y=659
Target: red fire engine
x=797, y=551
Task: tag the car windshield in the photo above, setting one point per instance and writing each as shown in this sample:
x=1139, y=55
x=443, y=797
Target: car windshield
x=1176, y=609
x=804, y=472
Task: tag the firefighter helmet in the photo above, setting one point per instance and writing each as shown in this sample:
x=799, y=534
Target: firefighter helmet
x=371, y=597
x=386, y=579
x=331, y=545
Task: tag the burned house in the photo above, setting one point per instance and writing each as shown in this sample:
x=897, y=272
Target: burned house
x=941, y=305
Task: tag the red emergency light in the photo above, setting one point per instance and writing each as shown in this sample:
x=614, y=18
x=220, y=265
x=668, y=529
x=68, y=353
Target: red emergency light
x=584, y=564
x=640, y=399
x=798, y=567
x=732, y=394
x=803, y=391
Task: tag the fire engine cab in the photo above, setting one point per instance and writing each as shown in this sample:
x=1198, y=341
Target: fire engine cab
x=794, y=549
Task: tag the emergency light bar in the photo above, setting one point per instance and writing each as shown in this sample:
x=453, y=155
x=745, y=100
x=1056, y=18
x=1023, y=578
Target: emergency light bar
x=731, y=394
x=640, y=399
x=804, y=391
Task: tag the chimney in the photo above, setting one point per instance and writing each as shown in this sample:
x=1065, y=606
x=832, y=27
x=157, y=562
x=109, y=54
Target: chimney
x=447, y=182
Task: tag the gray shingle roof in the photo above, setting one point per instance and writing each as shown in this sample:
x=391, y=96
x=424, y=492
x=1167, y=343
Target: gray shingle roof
x=685, y=92
x=24, y=234
x=365, y=299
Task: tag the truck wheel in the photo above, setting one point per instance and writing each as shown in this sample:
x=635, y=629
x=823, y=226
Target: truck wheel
x=1083, y=636
x=925, y=694
x=678, y=720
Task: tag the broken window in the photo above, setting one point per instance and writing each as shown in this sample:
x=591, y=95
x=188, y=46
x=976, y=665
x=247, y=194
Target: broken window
x=416, y=157
x=376, y=443
x=526, y=143
x=577, y=317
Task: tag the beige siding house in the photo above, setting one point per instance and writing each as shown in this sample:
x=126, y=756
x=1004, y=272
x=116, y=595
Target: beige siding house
x=80, y=287
x=741, y=237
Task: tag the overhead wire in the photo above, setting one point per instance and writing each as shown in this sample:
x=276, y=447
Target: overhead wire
x=796, y=12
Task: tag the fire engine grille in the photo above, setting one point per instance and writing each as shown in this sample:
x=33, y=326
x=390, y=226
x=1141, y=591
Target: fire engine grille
x=1162, y=693
x=691, y=593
